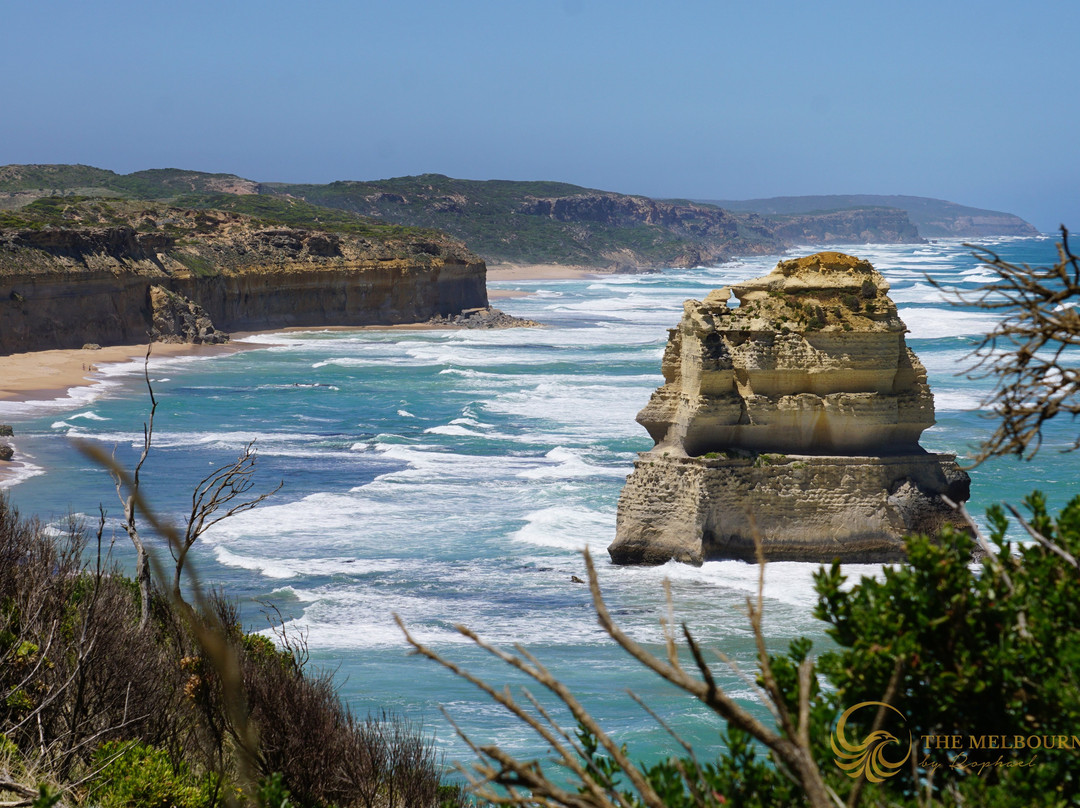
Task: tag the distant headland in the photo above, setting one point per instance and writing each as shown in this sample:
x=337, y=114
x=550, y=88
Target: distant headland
x=528, y=223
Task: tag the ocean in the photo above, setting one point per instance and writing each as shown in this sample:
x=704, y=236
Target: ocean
x=453, y=476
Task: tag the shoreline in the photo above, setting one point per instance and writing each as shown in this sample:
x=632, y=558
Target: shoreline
x=541, y=272
x=47, y=375
x=51, y=375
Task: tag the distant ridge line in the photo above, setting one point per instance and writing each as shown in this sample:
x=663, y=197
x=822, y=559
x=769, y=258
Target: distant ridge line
x=935, y=218
x=540, y=222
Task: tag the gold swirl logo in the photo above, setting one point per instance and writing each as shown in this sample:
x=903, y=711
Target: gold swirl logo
x=868, y=757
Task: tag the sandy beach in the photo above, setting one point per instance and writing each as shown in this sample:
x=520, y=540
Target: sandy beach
x=540, y=272
x=42, y=375
x=534, y=272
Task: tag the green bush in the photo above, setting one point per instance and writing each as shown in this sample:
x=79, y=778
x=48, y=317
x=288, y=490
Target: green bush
x=983, y=650
x=989, y=650
x=134, y=775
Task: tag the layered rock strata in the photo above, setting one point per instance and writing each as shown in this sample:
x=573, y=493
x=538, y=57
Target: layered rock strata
x=61, y=288
x=793, y=419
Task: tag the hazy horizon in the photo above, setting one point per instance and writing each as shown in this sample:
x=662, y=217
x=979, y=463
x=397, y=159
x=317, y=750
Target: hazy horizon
x=702, y=100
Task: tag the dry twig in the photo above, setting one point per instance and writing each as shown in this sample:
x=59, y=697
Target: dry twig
x=524, y=782
x=1030, y=355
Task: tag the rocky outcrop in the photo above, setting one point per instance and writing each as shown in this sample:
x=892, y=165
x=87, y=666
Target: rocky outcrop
x=484, y=318
x=177, y=319
x=62, y=287
x=6, y=451
x=795, y=418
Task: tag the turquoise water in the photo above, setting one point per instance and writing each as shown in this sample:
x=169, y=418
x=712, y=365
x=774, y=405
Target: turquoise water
x=455, y=476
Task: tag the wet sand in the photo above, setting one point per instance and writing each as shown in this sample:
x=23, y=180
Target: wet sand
x=39, y=375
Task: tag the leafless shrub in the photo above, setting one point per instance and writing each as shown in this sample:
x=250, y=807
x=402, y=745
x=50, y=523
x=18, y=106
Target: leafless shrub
x=219, y=495
x=216, y=498
x=76, y=669
x=326, y=754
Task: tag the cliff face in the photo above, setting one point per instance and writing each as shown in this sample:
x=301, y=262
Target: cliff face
x=934, y=218
x=855, y=226
x=812, y=364
x=62, y=287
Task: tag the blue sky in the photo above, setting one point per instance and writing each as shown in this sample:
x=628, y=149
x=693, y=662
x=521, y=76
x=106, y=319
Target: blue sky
x=975, y=102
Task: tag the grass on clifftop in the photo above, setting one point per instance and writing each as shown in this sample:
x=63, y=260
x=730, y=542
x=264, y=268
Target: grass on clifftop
x=283, y=211
x=263, y=211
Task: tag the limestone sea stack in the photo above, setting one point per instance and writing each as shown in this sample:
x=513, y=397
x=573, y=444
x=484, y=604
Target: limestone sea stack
x=795, y=418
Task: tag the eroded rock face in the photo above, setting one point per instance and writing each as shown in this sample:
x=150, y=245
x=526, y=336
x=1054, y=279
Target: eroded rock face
x=62, y=288
x=796, y=415
x=177, y=319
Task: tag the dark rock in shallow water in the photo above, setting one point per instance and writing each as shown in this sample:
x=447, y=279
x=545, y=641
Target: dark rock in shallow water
x=6, y=452
x=793, y=421
x=486, y=317
x=6, y=431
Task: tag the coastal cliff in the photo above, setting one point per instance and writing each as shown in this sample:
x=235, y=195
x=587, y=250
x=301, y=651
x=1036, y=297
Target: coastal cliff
x=85, y=271
x=869, y=225
x=795, y=419
x=933, y=218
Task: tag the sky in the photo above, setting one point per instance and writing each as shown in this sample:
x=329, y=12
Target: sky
x=974, y=102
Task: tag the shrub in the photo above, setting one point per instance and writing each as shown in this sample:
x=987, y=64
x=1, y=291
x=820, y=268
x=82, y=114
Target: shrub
x=133, y=775
x=73, y=664
x=83, y=685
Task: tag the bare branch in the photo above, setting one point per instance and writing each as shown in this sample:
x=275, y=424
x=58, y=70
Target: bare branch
x=1052, y=546
x=1031, y=354
x=525, y=782
x=213, y=493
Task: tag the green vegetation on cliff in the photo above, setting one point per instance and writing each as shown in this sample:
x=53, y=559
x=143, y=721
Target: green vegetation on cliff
x=533, y=222
x=173, y=218
x=157, y=183
x=549, y=222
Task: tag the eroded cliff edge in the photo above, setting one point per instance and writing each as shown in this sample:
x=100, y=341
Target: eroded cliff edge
x=65, y=284
x=795, y=418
